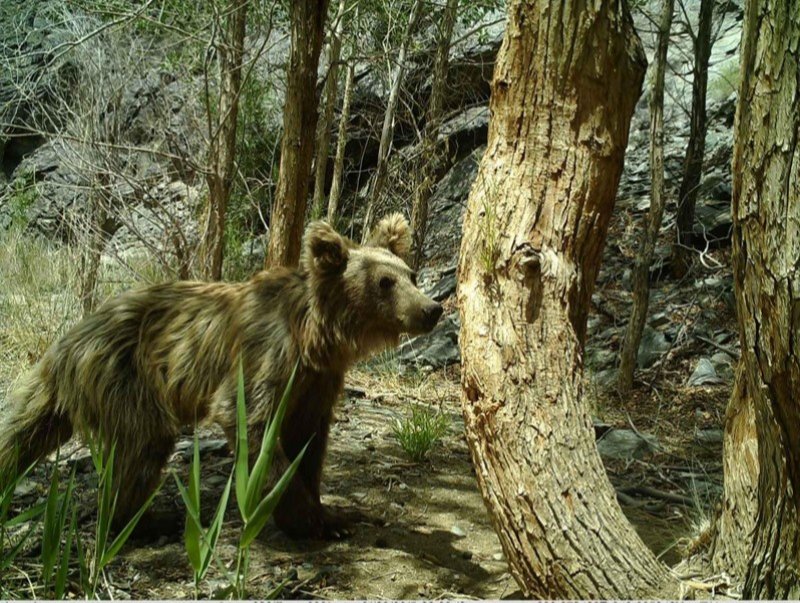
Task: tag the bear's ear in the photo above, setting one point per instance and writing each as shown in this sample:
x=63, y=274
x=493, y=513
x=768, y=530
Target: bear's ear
x=324, y=250
x=394, y=234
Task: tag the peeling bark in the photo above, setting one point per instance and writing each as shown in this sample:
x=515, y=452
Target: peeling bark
x=733, y=530
x=766, y=220
x=566, y=82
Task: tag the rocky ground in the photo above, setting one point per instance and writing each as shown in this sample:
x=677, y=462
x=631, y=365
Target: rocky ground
x=424, y=531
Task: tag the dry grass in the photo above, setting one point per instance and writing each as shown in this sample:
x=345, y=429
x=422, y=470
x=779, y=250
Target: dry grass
x=38, y=302
x=40, y=296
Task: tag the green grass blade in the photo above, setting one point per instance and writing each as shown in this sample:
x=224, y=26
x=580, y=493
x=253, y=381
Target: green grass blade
x=260, y=473
x=60, y=585
x=83, y=569
x=27, y=515
x=51, y=535
x=125, y=533
x=242, y=460
x=203, y=535
x=105, y=507
x=10, y=555
x=267, y=505
x=215, y=529
x=192, y=529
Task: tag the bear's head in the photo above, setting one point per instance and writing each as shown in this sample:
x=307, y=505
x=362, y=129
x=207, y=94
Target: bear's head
x=369, y=290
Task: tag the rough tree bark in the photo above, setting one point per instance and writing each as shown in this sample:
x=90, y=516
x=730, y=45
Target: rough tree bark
x=326, y=121
x=431, y=154
x=695, y=150
x=647, y=246
x=766, y=227
x=297, y=146
x=230, y=54
x=566, y=82
x=341, y=145
x=733, y=530
x=387, y=132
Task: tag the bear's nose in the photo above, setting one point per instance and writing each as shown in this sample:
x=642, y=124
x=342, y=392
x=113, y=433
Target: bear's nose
x=433, y=314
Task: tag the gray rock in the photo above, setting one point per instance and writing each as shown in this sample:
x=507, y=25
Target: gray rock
x=704, y=374
x=714, y=222
x=626, y=444
x=713, y=436
x=434, y=350
x=605, y=378
x=466, y=131
x=445, y=287
x=601, y=358
x=653, y=345
x=447, y=207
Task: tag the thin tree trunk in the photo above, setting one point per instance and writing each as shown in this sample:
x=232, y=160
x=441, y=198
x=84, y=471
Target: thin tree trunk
x=297, y=146
x=565, y=86
x=693, y=161
x=324, y=126
x=99, y=232
x=341, y=145
x=387, y=132
x=733, y=530
x=431, y=155
x=647, y=246
x=766, y=253
x=223, y=144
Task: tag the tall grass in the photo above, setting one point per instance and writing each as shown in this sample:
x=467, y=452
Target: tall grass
x=255, y=506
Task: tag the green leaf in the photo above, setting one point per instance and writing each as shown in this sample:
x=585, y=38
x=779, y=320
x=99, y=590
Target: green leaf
x=8, y=556
x=191, y=530
x=242, y=468
x=215, y=529
x=27, y=515
x=105, y=506
x=125, y=533
x=60, y=586
x=196, y=517
x=265, y=508
x=260, y=473
x=51, y=535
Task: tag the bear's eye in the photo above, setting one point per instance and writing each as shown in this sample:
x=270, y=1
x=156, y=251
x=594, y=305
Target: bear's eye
x=386, y=283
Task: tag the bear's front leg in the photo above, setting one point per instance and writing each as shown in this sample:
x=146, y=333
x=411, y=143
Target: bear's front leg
x=300, y=513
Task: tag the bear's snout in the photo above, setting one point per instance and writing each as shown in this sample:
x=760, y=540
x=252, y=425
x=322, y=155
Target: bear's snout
x=431, y=315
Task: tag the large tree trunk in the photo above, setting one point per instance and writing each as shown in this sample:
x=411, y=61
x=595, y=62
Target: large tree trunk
x=566, y=82
x=324, y=126
x=647, y=247
x=431, y=154
x=222, y=150
x=733, y=531
x=693, y=161
x=766, y=219
x=299, y=124
x=387, y=132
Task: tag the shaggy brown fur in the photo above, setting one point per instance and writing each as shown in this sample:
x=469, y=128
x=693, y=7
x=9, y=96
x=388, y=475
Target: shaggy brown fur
x=153, y=360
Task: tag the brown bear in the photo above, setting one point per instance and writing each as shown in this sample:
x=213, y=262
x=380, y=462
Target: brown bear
x=156, y=359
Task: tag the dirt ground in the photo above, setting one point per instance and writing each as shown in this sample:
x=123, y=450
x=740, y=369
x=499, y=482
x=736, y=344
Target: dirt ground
x=425, y=532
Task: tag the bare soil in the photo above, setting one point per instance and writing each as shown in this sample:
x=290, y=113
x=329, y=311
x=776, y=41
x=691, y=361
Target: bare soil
x=424, y=530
